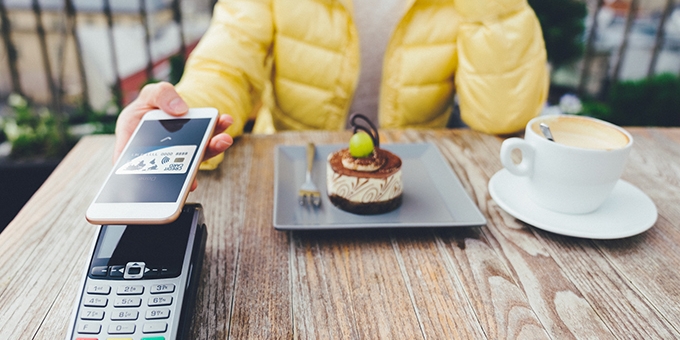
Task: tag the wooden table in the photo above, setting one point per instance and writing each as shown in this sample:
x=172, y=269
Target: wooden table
x=503, y=280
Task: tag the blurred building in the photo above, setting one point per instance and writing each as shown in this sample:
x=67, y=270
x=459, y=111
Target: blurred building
x=651, y=46
x=107, y=54
x=642, y=37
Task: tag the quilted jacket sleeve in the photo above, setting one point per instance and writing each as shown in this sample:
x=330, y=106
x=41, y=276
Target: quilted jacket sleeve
x=502, y=78
x=227, y=68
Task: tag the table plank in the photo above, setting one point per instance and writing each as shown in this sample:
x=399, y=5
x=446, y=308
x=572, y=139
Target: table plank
x=353, y=276
x=224, y=211
x=536, y=276
x=440, y=285
x=261, y=305
x=46, y=236
x=473, y=262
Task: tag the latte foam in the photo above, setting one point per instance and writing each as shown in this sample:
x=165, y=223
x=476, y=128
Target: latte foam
x=584, y=133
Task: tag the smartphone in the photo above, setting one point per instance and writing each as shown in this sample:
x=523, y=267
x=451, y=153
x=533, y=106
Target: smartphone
x=141, y=281
x=152, y=178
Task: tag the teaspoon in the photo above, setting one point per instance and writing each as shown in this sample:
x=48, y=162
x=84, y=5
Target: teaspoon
x=546, y=131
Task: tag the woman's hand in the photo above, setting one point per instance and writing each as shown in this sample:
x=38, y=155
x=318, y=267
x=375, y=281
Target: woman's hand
x=163, y=96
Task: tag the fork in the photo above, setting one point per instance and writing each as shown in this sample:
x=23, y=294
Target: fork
x=308, y=191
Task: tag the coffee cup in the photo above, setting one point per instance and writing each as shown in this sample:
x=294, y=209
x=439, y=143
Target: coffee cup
x=577, y=171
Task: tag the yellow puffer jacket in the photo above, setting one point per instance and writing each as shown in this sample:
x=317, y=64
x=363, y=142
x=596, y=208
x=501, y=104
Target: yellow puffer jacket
x=300, y=60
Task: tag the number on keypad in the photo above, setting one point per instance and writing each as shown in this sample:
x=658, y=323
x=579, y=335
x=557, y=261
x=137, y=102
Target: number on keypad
x=128, y=302
x=163, y=288
x=98, y=289
x=130, y=290
x=93, y=301
x=92, y=314
x=157, y=314
x=125, y=315
x=127, y=328
x=160, y=301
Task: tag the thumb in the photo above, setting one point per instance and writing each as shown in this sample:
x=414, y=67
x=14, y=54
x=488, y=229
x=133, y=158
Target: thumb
x=163, y=95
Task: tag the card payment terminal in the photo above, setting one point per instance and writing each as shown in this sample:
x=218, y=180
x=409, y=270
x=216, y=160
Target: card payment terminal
x=142, y=279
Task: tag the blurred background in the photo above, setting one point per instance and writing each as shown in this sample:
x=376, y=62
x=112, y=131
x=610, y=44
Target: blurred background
x=67, y=67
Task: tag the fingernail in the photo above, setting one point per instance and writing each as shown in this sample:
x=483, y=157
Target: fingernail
x=178, y=105
x=222, y=144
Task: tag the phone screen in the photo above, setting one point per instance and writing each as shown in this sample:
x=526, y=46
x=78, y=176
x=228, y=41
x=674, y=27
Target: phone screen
x=154, y=166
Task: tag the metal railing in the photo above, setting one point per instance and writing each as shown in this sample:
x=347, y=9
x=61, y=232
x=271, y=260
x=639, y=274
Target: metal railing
x=64, y=20
x=600, y=66
x=643, y=32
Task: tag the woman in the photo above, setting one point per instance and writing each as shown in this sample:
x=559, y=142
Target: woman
x=305, y=64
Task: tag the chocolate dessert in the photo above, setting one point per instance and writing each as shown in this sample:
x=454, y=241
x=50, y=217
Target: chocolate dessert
x=364, y=179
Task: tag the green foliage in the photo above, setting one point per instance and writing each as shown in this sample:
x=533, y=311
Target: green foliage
x=100, y=121
x=38, y=132
x=597, y=109
x=35, y=133
x=562, y=22
x=647, y=102
x=176, y=68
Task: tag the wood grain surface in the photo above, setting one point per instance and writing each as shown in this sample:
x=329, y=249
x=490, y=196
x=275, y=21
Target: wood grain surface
x=506, y=280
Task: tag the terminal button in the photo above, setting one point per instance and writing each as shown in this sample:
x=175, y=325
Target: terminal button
x=117, y=271
x=89, y=328
x=124, y=315
x=99, y=271
x=160, y=301
x=98, y=289
x=130, y=290
x=92, y=314
x=157, y=314
x=128, y=302
x=94, y=301
x=122, y=328
x=134, y=270
x=155, y=327
x=162, y=288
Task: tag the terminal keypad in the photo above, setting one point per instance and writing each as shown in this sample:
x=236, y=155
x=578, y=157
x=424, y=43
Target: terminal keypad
x=114, y=308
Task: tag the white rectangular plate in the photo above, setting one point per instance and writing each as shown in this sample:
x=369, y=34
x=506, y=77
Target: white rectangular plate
x=433, y=195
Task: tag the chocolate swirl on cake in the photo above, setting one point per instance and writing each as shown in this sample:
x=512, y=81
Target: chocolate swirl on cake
x=373, y=131
x=371, y=163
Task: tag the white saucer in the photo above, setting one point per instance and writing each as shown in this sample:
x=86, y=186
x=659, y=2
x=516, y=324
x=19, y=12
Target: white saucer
x=627, y=212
